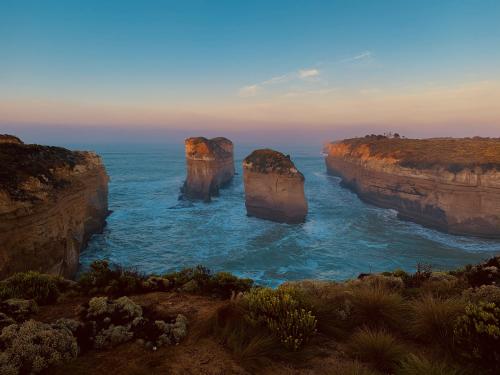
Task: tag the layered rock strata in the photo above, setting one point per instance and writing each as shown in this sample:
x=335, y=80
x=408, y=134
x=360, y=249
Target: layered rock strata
x=274, y=188
x=210, y=166
x=449, y=184
x=51, y=202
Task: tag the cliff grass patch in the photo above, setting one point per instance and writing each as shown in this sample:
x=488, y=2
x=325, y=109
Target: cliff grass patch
x=453, y=154
x=42, y=288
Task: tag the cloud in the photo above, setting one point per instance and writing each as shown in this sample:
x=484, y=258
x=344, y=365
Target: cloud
x=308, y=73
x=361, y=56
x=248, y=91
x=302, y=74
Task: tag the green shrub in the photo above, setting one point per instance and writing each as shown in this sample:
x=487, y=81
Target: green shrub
x=485, y=293
x=376, y=347
x=113, y=280
x=200, y=279
x=283, y=314
x=477, y=333
x=416, y=365
x=486, y=273
x=433, y=319
x=377, y=307
x=43, y=288
x=33, y=346
x=330, y=303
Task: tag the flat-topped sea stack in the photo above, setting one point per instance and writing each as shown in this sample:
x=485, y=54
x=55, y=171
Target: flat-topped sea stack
x=51, y=201
x=210, y=166
x=274, y=188
x=446, y=183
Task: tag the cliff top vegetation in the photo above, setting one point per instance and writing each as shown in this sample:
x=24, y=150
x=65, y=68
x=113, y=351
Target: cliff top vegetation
x=219, y=147
x=267, y=160
x=454, y=154
x=21, y=163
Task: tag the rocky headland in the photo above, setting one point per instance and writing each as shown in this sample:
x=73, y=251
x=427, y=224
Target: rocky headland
x=274, y=188
x=446, y=183
x=51, y=201
x=210, y=166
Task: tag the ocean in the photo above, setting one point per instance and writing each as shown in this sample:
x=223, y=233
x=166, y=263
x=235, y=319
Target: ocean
x=151, y=230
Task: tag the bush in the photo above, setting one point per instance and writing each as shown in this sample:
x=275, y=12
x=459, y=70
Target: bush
x=112, y=280
x=283, y=314
x=350, y=368
x=433, y=319
x=485, y=293
x=442, y=285
x=44, y=289
x=330, y=302
x=200, y=279
x=33, y=346
x=486, y=273
x=377, y=347
x=477, y=334
x=377, y=307
x=416, y=365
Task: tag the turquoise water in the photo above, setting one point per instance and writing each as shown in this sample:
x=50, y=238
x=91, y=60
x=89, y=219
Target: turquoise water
x=151, y=230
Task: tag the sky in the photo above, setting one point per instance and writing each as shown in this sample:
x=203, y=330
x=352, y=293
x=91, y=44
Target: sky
x=300, y=70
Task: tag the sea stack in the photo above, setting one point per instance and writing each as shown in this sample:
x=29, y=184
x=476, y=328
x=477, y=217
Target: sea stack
x=450, y=184
x=274, y=188
x=51, y=202
x=210, y=166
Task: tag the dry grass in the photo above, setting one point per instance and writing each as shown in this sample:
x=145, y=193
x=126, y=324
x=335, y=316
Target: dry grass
x=433, y=319
x=416, y=365
x=454, y=154
x=376, y=347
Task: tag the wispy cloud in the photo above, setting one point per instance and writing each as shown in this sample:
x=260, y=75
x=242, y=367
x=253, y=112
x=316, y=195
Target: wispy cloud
x=361, y=56
x=301, y=74
x=308, y=73
x=248, y=91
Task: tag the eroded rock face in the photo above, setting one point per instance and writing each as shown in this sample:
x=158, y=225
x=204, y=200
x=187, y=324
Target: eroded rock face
x=449, y=184
x=51, y=201
x=210, y=166
x=274, y=188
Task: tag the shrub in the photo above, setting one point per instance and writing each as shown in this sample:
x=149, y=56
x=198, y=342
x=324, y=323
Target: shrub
x=423, y=273
x=350, y=368
x=416, y=365
x=283, y=315
x=477, y=333
x=113, y=280
x=377, y=307
x=485, y=293
x=442, y=285
x=377, y=347
x=225, y=284
x=486, y=273
x=433, y=319
x=330, y=303
x=33, y=346
x=248, y=341
x=388, y=282
x=42, y=288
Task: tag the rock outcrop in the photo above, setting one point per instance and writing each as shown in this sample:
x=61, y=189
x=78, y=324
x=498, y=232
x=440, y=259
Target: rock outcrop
x=274, y=188
x=210, y=166
x=51, y=201
x=449, y=184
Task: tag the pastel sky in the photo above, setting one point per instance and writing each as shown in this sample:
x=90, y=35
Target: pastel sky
x=343, y=67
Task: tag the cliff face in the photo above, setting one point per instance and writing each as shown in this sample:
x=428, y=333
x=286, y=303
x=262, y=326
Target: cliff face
x=51, y=201
x=274, y=188
x=210, y=166
x=450, y=184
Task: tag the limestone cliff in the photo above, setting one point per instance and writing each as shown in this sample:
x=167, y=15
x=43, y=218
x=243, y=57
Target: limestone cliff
x=51, y=201
x=450, y=184
x=274, y=188
x=210, y=166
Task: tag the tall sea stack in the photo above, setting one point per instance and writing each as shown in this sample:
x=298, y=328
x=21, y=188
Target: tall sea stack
x=210, y=166
x=274, y=188
x=51, y=201
x=446, y=183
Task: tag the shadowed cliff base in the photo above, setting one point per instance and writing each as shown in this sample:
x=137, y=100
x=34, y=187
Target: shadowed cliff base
x=449, y=184
x=210, y=166
x=198, y=322
x=51, y=201
x=274, y=188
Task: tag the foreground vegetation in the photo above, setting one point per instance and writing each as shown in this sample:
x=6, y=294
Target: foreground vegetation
x=391, y=323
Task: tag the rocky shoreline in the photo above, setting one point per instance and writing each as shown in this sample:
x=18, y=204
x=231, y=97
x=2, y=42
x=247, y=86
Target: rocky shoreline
x=449, y=184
